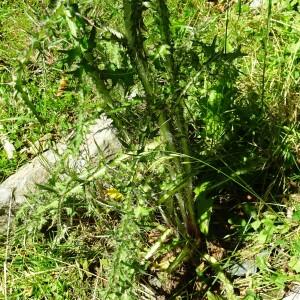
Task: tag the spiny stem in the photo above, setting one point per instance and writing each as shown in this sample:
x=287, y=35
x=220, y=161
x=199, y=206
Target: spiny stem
x=172, y=127
x=181, y=133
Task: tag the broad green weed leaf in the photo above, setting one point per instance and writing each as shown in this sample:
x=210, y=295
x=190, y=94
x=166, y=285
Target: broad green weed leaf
x=251, y=296
x=204, y=207
x=261, y=261
x=140, y=212
x=72, y=25
x=296, y=215
x=279, y=279
x=256, y=224
x=295, y=264
x=296, y=247
x=267, y=232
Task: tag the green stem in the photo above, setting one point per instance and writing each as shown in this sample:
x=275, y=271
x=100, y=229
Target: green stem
x=172, y=128
x=181, y=133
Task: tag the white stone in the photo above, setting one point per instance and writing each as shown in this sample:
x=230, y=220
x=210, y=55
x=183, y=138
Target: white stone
x=256, y=4
x=5, y=194
x=100, y=141
x=294, y=293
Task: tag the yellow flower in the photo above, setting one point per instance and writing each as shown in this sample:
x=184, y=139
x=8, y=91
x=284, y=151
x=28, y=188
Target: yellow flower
x=114, y=194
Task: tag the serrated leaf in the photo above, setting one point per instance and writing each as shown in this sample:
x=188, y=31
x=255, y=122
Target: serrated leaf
x=72, y=25
x=48, y=188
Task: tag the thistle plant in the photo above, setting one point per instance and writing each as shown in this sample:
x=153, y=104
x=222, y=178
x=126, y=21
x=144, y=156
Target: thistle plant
x=197, y=104
x=169, y=110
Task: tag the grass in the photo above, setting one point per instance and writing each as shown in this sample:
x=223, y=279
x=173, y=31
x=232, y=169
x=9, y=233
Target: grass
x=226, y=153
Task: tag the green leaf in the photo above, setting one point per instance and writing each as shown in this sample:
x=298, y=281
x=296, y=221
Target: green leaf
x=204, y=207
x=267, y=232
x=296, y=216
x=52, y=206
x=48, y=188
x=251, y=295
x=69, y=211
x=141, y=212
x=182, y=257
x=296, y=247
x=72, y=25
x=261, y=262
x=295, y=264
x=279, y=279
x=256, y=224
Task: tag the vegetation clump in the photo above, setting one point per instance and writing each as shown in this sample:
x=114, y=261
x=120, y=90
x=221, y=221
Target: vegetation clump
x=203, y=201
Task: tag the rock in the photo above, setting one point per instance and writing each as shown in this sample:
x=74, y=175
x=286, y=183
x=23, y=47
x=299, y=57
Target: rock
x=5, y=197
x=246, y=268
x=256, y=4
x=32, y=173
x=8, y=147
x=293, y=293
x=100, y=139
x=5, y=194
